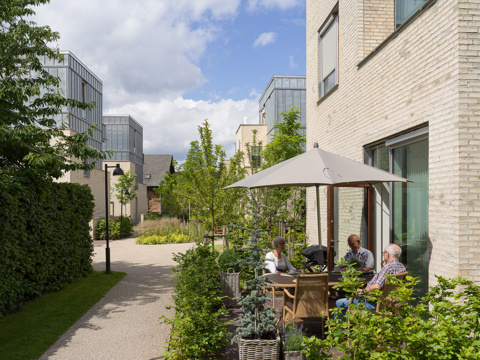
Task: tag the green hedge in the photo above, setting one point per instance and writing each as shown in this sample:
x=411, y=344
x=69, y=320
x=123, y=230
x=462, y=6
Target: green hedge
x=45, y=239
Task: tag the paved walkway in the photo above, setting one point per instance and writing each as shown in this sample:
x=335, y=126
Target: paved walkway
x=125, y=324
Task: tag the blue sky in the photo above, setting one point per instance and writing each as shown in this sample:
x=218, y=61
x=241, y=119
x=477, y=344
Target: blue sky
x=172, y=64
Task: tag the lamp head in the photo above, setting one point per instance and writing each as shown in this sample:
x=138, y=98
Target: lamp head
x=127, y=192
x=118, y=170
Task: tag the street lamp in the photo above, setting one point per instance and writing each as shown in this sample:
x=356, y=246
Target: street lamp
x=118, y=171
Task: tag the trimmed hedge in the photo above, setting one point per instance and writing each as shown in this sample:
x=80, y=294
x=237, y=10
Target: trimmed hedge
x=45, y=240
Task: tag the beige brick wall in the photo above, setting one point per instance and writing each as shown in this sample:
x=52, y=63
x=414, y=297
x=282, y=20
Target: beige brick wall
x=244, y=135
x=429, y=73
x=378, y=23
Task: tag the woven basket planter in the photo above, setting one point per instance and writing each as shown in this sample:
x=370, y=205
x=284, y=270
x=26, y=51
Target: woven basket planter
x=259, y=349
x=230, y=282
x=294, y=355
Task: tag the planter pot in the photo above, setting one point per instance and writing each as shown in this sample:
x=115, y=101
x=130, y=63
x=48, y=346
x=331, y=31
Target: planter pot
x=230, y=282
x=294, y=355
x=259, y=349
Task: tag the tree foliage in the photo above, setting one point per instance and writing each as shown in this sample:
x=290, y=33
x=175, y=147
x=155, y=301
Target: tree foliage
x=126, y=182
x=32, y=144
x=285, y=204
x=204, y=174
x=445, y=324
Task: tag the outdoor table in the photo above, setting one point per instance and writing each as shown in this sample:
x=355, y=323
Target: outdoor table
x=285, y=280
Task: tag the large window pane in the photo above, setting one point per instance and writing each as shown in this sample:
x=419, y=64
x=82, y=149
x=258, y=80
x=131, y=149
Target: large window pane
x=406, y=8
x=328, y=54
x=410, y=210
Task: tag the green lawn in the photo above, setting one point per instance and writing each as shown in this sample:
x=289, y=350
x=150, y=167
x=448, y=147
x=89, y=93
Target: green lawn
x=28, y=333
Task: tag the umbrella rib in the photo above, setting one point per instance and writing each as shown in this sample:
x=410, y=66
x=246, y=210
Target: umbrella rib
x=325, y=173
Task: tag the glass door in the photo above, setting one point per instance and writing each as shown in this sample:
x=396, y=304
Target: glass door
x=409, y=220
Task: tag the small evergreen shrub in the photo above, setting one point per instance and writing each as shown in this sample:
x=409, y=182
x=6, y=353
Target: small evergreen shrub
x=229, y=259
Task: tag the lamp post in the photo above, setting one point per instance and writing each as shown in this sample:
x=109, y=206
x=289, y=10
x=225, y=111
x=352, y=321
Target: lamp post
x=118, y=171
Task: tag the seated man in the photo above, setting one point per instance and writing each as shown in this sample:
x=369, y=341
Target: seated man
x=392, y=266
x=362, y=254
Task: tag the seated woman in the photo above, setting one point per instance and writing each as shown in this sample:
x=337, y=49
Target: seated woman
x=276, y=261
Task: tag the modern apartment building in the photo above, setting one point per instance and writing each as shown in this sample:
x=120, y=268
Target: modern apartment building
x=282, y=93
x=124, y=137
x=395, y=84
x=80, y=83
x=244, y=141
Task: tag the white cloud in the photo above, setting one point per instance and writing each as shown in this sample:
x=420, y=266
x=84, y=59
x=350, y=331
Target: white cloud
x=292, y=63
x=265, y=39
x=143, y=49
x=171, y=124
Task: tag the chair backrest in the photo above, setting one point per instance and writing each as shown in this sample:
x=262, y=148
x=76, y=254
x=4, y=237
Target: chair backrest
x=387, y=287
x=311, y=296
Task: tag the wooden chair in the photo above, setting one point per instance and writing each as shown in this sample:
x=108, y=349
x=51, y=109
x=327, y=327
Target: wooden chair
x=270, y=289
x=387, y=288
x=309, y=300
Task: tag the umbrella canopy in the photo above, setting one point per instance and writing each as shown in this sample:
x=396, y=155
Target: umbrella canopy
x=317, y=167
x=314, y=168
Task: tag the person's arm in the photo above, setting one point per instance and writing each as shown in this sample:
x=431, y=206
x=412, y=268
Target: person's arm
x=369, y=263
x=372, y=287
x=289, y=266
x=270, y=263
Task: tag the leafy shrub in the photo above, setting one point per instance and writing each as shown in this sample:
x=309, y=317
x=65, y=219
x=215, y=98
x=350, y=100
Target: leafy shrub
x=159, y=239
x=291, y=333
x=153, y=216
x=167, y=230
x=229, y=259
x=197, y=328
x=163, y=231
x=117, y=228
x=45, y=240
x=444, y=324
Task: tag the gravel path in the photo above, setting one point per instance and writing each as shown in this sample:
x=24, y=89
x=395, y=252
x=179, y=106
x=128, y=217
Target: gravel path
x=125, y=324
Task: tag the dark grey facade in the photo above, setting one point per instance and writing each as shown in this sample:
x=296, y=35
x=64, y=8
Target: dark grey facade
x=124, y=136
x=282, y=93
x=79, y=83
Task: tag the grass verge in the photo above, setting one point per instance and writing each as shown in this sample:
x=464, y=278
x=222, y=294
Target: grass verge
x=27, y=334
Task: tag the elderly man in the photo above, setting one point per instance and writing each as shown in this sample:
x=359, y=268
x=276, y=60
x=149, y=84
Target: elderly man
x=392, y=266
x=357, y=251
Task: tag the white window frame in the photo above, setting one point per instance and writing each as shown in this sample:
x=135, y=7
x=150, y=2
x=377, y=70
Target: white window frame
x=331, y=24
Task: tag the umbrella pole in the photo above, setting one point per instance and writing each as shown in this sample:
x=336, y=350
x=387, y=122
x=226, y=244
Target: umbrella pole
x=319, y=229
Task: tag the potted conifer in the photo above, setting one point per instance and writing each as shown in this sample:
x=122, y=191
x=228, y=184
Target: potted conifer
x=257, y=337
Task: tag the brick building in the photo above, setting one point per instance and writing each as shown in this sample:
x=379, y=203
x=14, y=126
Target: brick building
x=395, y=84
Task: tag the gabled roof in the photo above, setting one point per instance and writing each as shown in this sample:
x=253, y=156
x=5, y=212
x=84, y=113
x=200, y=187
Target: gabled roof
x=157, y=166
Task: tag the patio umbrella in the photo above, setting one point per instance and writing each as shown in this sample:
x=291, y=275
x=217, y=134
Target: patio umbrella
x=314, y=168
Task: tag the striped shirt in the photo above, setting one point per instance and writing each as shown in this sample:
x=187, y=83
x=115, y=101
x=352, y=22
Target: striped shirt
x=393, y=267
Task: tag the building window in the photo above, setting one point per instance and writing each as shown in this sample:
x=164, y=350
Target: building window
x=328, y=54
x=84, y=99
x=255, y=154
x=407, y=156
x=406, y=8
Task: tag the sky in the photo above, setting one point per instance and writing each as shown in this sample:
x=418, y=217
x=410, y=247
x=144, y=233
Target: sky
x=171, y=64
